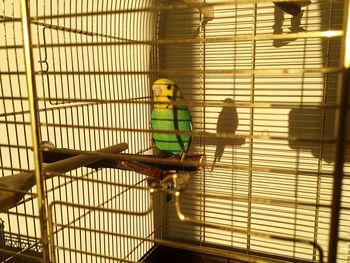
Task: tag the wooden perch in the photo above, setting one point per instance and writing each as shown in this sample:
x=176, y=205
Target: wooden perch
x=14, y=187
x=154, y=175
x=156, y=168
x=190, y=162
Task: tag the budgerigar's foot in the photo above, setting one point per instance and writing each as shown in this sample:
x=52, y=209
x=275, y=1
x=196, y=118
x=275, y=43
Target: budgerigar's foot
x=183, y=156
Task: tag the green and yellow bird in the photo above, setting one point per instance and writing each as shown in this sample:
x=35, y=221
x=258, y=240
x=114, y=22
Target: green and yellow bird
x=170, y=114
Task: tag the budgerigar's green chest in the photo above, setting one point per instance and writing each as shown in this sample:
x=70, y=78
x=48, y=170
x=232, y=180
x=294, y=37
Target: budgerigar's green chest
x=178, y=119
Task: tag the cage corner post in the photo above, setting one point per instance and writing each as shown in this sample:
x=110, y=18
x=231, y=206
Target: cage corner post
x=35, y=125
x=338, y=174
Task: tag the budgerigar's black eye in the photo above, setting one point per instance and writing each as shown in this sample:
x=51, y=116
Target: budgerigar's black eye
x=169, y=87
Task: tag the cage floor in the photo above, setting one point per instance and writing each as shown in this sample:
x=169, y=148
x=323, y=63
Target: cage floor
x=160, y=254
x=17, y=259
x=167, y=254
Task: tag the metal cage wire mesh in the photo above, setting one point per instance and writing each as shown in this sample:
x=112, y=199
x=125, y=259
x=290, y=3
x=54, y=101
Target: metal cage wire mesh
x=267, y=92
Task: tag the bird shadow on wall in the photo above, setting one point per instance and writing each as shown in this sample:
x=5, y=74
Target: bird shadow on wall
x=226, y=128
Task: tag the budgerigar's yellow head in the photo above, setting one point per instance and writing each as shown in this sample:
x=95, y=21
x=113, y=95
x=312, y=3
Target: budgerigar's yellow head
x=165, y=90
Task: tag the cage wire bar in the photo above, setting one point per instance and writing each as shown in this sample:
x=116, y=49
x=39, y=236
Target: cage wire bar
x=35, y=126
x=268, y=95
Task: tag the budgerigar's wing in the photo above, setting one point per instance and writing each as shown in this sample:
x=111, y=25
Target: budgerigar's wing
x=183, y=123
x=163, y=119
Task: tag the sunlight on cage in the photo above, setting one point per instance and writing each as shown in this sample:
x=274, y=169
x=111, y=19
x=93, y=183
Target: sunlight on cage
x=263, y=106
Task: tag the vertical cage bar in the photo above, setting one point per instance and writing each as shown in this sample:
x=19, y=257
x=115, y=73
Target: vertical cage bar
x=35, y=125
x=202, y=58
x=251, y=130
x=338, y=174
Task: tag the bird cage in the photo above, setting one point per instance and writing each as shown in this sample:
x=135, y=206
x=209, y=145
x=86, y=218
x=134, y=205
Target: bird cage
x=265, y=176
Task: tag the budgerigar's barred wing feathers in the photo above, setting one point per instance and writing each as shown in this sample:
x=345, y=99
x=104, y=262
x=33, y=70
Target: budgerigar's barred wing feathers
x=170, y=115
x=173, y=143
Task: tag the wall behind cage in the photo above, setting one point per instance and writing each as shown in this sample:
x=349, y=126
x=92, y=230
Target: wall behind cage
x=286, y=152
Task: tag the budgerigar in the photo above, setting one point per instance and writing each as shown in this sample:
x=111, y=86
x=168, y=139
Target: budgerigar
x=170, y=114
x=170, y=117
